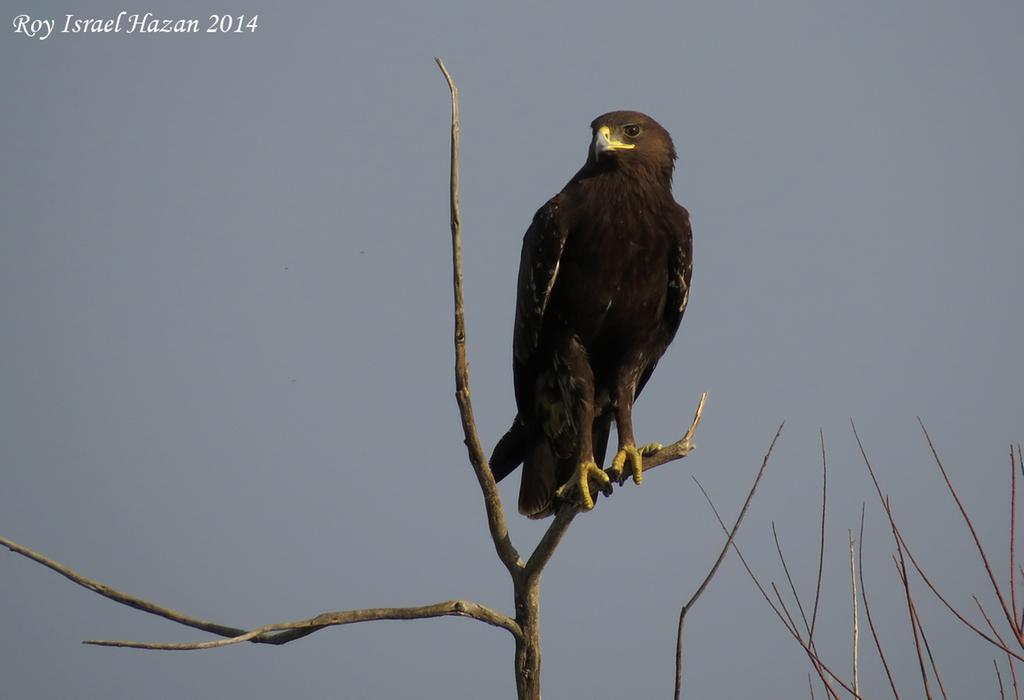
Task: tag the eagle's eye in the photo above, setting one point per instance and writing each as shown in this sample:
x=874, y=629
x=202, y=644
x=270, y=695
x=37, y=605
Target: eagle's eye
x=631, y=130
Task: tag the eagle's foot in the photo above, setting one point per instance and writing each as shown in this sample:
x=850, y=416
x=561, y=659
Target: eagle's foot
x=581, y=481
x=630, y=454
x=648, y=450
x=635, y=457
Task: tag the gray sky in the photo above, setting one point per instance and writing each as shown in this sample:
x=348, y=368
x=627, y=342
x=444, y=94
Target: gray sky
x=227, y=373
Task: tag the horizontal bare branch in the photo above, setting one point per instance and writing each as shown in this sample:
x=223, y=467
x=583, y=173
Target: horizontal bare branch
x=121, y=597
x=457, y=608
x=285, y=632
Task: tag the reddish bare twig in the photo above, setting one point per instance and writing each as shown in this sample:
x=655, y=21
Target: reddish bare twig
x=901, y=568
x=867, y=609
x=721, y=554
x=856, y=620
x=1013, y=677
x=910, y=555
x=820, y=667
x=999, y=677
x=1013, y=540
x=931, y=657
x=1011, y=619
x=789, y=579
x=821, y=547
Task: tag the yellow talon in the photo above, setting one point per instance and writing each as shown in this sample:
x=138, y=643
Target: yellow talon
x=636, y=461
x=581, y=481
x=648, y=450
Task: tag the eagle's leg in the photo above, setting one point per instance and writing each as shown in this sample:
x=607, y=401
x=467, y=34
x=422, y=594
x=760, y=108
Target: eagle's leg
x=577, y=385
x=628, y=452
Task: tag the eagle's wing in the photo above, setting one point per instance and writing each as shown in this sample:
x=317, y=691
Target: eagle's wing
x=538, y=270
x=680, y=268
x=538, y=267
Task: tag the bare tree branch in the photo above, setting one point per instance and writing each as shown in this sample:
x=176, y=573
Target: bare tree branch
x=1013, y=539
x=457, y=608
x=287, y=631
x=721, y=554
x=867, y=608
x=681, y=447
x=492, y=499
x=1010, y=618
x=856, y=621
x=910, y=555
x=824, y=672
x=1013, y=677
x=121, y=597
x=789, y=579
x=821, y=547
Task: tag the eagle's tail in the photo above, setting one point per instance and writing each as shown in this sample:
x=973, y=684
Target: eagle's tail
x=540, y=480
x=537, y=488
x=544, y=471
x=510, y=451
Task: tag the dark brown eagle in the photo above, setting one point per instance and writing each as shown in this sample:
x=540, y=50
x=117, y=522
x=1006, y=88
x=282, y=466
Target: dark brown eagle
x=603, y=282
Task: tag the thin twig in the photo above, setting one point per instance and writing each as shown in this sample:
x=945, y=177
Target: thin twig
x=819, y=666
x=867, y=609
x=492, y=499
x=1013, y=541
x=856, y=622
x=789, y=579
x=1011, y=619
x=721, y=554
x=821, y=548
x=999, y=677
x=901, y=568
x=988, y=620
x=931, y=657
x=1013, y=677
x=764, y=594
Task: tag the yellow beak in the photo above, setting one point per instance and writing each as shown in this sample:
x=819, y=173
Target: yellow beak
x=603, y=142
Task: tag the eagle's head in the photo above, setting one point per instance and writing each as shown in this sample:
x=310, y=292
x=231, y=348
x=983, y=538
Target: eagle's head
x=632, y=141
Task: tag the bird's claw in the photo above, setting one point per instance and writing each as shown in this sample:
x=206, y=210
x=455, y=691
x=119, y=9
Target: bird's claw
x=581, y=482
x=635, y=457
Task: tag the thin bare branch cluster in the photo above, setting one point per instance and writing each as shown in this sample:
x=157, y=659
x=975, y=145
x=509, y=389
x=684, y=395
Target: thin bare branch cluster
x=1010, y=643
x=688, y=605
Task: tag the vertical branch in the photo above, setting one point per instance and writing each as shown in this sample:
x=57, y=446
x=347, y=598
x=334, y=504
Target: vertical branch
x=1013, y=542
x=821, y=548
x=867, y=608
x=492, y=500
x=856, y=627
x=901, y=570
